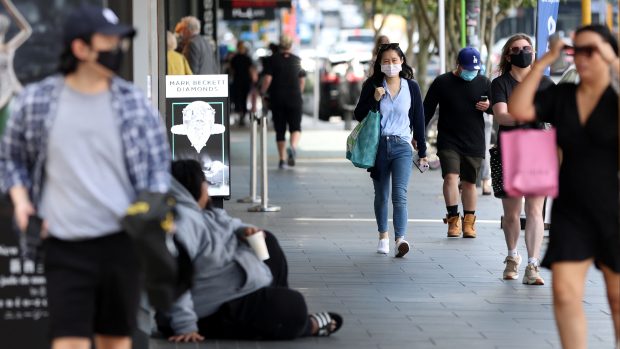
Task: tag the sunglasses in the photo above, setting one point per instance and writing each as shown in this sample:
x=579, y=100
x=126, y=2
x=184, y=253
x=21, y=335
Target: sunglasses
x=393, y=45
x=516, y=49
x=584, y=50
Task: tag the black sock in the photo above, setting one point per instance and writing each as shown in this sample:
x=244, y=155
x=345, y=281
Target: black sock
x=469, y=212
x=453, y=210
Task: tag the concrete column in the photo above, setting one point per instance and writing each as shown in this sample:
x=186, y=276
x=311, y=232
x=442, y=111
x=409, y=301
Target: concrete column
x=146, y=48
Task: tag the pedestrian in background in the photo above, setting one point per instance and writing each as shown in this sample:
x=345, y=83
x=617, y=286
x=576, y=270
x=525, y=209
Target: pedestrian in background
x=176, y=62
x=379, y=41
x=197, y=48
x=515, y=64
x=585, y=214
x=284, y=80
x=462, y=96
x=77, y=150
x=244, y=76
x=397, y=96
x=265, y=63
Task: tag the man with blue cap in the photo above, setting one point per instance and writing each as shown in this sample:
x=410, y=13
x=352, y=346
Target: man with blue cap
x=78, y=148
x=462, y=98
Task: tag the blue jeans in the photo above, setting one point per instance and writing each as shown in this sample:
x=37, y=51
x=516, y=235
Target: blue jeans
x=395, y=160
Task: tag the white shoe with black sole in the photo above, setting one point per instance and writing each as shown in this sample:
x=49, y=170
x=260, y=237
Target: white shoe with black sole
x=402, y=248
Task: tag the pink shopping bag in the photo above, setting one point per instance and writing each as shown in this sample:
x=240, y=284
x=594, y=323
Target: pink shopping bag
x=530, y=162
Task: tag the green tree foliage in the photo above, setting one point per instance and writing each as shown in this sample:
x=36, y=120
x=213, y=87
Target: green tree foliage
x=422, y=17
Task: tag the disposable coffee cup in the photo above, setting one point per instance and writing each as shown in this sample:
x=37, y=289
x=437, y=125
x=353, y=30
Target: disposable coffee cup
x=257, y=242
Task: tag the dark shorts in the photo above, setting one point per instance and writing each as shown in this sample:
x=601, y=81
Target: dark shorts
x=93, y=286
x=286, y=114
x=467, y=167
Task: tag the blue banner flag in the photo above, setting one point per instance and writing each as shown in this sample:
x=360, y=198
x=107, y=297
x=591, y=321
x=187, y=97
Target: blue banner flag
x=547, y=16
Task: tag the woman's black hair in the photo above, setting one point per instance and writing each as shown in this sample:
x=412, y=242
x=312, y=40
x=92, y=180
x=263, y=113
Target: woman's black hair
x=378, y=76
x=603, y=31
x=189, y=173
x=68, y=62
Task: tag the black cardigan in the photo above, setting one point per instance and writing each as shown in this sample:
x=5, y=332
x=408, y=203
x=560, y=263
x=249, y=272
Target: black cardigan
x=416, y=111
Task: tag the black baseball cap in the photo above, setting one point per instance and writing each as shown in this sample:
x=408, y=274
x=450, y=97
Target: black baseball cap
x=86, y=20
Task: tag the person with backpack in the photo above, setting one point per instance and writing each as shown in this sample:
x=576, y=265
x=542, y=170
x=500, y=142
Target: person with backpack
x=78, y=149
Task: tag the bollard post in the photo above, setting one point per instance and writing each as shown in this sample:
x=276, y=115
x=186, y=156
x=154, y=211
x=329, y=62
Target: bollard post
x=252, y=199
x=348, y=116
x=264, y=205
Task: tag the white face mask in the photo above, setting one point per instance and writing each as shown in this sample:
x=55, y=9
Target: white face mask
x=391, y=69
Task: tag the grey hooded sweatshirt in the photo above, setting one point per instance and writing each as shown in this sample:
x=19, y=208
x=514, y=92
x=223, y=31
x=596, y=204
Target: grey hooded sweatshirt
x=225, y=267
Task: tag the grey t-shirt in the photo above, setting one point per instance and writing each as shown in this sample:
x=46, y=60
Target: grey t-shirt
x=87, y=189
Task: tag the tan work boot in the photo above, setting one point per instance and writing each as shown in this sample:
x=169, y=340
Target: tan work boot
x=454, y=226
x=469, y=231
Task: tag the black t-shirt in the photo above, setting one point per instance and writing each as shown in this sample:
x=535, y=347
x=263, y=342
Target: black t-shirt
x=501, y=89
x=285, y=69
x=460, y=124
x=241, y=65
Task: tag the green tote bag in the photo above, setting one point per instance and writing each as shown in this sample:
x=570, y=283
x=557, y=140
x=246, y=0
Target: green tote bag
x=363, y=141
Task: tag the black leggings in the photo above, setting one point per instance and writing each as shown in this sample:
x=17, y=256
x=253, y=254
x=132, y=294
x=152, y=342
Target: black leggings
x=274, y=312
x=283, y=114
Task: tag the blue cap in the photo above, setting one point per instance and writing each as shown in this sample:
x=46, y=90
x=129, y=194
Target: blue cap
x=469, y=58
x=86, y=20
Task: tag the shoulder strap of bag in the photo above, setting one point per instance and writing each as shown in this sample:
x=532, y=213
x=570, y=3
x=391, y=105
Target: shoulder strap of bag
x=376, y=105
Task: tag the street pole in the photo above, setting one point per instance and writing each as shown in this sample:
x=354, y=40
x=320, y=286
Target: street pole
x=586, y=12
x=463, y=24
x=317, y=77
x=473, y=23
x=442, y=36
x=602, y=16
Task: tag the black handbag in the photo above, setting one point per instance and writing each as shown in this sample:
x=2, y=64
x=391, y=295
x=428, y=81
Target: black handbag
x=497, y=180
x=166, y=265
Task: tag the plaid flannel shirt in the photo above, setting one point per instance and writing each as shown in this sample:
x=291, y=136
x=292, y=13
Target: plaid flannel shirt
x=23, y=149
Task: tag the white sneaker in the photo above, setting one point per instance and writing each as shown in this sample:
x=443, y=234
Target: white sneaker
x=402, y=248
x=383, y=246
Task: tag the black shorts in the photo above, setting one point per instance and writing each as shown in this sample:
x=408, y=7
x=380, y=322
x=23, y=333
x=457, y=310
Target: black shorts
x=286, y=114
x=467, y=167
x=93, y=286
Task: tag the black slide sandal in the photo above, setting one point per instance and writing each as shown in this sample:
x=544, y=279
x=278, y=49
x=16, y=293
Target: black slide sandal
x=324, y=320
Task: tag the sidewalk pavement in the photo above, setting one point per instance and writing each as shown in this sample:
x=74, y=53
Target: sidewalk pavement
x=446, y=293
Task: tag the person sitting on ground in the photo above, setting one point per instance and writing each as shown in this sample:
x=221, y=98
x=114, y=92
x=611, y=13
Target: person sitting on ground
x=235, y=295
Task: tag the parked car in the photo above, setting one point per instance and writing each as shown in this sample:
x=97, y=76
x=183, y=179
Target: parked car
x=356, y=42
x=341, y=81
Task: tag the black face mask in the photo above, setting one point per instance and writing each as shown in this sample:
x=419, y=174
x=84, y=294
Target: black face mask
x=521, y=60
x=111, y=59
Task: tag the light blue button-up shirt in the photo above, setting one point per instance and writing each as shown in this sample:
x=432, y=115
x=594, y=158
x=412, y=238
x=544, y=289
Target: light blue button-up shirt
x=395, y=112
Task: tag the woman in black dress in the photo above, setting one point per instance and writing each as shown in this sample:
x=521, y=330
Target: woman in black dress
x=585, y=227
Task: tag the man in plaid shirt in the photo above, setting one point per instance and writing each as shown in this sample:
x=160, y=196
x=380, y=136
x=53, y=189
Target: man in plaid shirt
x=77, y=150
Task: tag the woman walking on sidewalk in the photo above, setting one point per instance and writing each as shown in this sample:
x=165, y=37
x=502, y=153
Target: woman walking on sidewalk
x=393, y=91
x=515, y=64
x=585, y=225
